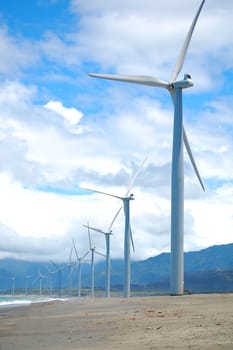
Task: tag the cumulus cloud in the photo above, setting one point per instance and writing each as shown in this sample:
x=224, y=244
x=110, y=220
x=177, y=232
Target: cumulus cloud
x=145, y=38
x=71, y=116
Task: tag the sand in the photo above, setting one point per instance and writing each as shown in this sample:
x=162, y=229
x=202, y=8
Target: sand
x=159, y=322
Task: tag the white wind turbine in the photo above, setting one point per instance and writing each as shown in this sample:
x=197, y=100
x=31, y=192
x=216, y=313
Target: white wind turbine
x=107, y=241
x=70, y=267
x=175, y=88
x=128, y=232
x=93, y=251
x=27, y=278
x=51, y=273
x=107, y=235
x=79, y=263
x=59, y=270
x=13, y=284
x=41, y=277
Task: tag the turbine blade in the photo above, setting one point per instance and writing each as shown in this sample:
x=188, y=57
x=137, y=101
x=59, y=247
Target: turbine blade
x=55, y=265
x=71, y=251
x=76, y=252
x=52, y=262
x=183, y=52
x=107, y=194
x=192, y=159
x=131, y=238
x=188, y=149
x=135, y=79
x=64, y=267
x=135, y=176
x=83, y=257
x=94, y=229
x=99, y=253
x=114, y=219
x=89, y=235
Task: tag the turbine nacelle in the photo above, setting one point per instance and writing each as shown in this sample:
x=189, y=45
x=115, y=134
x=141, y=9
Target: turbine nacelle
x=184, y=83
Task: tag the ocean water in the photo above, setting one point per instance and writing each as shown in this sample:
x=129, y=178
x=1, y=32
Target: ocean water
x=6, y=300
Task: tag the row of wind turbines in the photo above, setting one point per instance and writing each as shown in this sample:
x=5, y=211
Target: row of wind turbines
x=128, y=238
x=175, y=88
x=57, y=269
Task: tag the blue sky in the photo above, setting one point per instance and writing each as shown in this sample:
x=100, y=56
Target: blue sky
x=61, y=130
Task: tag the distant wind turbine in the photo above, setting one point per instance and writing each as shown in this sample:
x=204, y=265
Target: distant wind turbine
x=128, y=232
x=51, y=273
x=93, y=251
x=70, y=267
x=13, y=284
x=175, y=88
x=41, y=277
x=27, y=278
x=107, y=235
x=59, y=270
x=79, y=263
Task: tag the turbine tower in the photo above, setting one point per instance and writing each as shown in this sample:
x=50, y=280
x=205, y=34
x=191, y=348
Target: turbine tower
x=128, y=232
x=41, y=276
x=79, y=263
x=175, y=88
x=13, y=284
x=59, y=272
x=92, y=251
x=70, y=267
x=27, y=278
x=50, y=272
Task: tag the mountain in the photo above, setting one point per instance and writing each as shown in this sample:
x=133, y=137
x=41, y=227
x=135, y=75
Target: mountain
x=207, y=270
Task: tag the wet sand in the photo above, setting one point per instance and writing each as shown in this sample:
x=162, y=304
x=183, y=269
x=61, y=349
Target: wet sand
x=159, y=322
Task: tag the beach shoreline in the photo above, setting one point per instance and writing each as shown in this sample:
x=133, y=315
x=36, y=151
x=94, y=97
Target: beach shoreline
x=199, y=321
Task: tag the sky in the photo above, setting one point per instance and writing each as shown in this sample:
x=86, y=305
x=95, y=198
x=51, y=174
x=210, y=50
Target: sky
x=62, y=131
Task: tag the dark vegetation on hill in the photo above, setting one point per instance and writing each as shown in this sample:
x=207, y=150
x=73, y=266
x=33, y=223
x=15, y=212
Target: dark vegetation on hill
x=207, y=270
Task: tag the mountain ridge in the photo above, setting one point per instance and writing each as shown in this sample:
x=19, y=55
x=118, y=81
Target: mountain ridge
x=206, y=270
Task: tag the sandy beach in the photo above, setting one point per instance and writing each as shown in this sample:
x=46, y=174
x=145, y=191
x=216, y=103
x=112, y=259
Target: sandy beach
x=159, y=322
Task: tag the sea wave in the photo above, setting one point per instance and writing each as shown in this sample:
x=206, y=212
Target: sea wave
x=14, y=301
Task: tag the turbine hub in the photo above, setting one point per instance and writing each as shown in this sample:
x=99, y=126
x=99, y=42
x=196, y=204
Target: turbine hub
x=184, y=83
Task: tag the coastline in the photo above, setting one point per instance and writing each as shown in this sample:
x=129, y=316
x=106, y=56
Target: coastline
x=201, y=321
x=23, y=300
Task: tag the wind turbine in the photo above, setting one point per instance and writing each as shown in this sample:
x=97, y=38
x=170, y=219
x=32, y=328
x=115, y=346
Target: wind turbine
x=41, y=277
x=93, y=251
x=59, y=270
x=50, y=280
x=128, y=232
x=175, y=88
x=13, y=284
x=27, y=277
x=79, y=263
x=107, y=235
x=70, y=267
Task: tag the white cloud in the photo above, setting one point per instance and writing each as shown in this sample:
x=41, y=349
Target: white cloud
x=71, y=115
x=16, y=54
x=145, y=37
